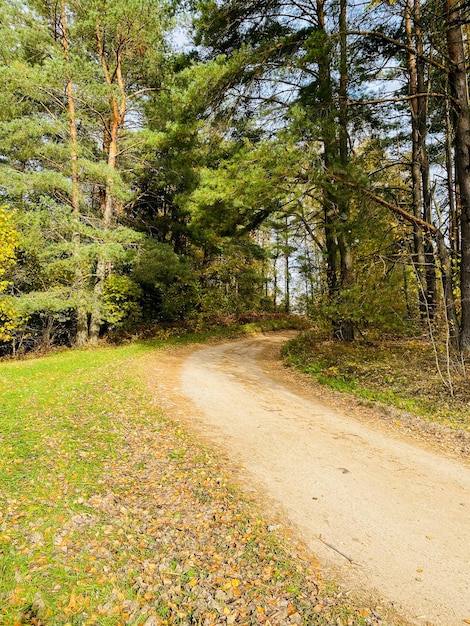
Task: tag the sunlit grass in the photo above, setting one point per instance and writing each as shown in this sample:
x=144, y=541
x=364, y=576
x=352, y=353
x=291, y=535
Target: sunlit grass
x=92, y=474
x=61, y=425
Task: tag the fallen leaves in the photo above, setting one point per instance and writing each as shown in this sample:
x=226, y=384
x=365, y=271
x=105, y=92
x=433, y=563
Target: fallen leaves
x=132, y=522
x=401, y=373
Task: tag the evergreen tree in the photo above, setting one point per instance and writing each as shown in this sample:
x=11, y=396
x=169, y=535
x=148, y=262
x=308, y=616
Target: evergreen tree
x=294, y=60
x=75, y=78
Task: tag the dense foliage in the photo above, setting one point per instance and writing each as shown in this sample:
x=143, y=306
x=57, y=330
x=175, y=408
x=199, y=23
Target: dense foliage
x=168, y=165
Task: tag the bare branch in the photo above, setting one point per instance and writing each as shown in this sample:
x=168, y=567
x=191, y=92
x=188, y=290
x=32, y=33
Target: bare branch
x=401, y=45
x=400, y=99
x=391, y=207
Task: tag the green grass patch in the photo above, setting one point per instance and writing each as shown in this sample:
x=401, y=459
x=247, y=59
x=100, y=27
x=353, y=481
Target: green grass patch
x=62, y=424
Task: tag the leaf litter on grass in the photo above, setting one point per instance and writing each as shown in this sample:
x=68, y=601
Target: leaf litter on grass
x=112, y=515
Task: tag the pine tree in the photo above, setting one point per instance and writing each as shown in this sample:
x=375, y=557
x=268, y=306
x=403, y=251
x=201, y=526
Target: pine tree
x=75, y=78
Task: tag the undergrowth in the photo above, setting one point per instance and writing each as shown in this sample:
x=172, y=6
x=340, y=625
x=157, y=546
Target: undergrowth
x=394, y=371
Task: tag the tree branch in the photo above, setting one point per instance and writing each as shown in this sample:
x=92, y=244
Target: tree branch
x=391, y=207
x=400, y=99
x=399, y=44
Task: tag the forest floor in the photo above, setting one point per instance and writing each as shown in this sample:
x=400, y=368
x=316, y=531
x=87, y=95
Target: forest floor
x=388, y=373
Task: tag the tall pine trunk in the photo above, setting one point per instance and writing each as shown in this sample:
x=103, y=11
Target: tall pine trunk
x=117, y=95
x=346, y=259
x=340, y=277
x=454, y=230
x=420, y=174
x=81, y=337
x=461, y=123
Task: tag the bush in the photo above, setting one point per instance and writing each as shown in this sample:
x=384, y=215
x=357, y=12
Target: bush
x=121, y=302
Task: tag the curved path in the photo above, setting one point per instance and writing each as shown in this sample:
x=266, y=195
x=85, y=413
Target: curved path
x=392, y=517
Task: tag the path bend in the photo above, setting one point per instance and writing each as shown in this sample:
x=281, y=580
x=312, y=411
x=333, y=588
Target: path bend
x=390, y=516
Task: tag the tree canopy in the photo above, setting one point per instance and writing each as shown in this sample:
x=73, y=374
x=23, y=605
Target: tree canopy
x=170, y=164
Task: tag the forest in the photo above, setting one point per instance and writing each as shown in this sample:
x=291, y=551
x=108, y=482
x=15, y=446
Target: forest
x=176, y=173
x=167, y=162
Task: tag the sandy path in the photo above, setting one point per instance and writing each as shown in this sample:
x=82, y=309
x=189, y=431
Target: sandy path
x=389, y=516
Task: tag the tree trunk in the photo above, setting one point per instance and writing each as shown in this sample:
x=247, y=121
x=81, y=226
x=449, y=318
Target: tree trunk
x=454, y=235
x=422, y=120
x=461, y=122
x=346, y=326
x=81, y=337
x=286, y=269
x=113, y=79
x=330, y=155
x=275, y=281
x=447, y=285
x=420, y=176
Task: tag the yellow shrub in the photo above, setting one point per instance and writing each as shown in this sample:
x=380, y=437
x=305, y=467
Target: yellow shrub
x=9, y=319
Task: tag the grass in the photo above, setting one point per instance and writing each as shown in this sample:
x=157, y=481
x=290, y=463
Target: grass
x=396, y=372
x=61, y=426
x=110, y=514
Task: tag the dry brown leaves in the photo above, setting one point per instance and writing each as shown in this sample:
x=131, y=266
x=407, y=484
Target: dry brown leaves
x=197, y=551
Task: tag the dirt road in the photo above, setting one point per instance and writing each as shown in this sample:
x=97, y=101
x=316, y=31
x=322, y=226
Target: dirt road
x=388, y=516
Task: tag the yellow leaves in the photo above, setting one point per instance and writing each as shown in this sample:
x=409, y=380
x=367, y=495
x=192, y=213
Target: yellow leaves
x=8, y=242
x=291, y=610
x=120, y=596
x=10, y=319
x=77, y=603
x=72, y=602
x=232, y=584
x=17, y=597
